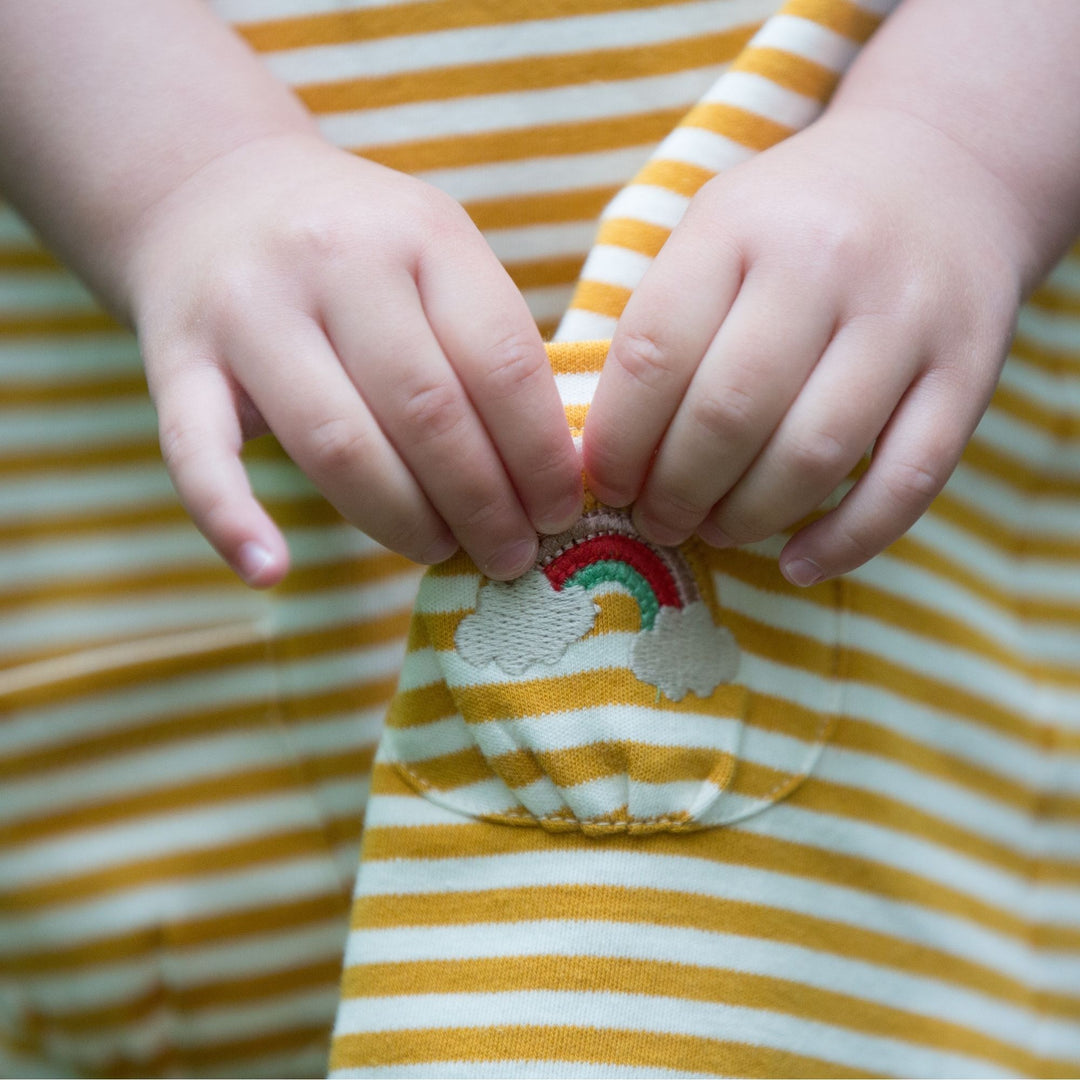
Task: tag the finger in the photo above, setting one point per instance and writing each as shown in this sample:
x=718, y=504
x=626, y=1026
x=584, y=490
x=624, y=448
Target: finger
x=421, y=405
x=843, y=407
x=296, y=381
x=755, y=368
x=201, y=442
x=915, y=455
x=484, y=327
x=669, y=321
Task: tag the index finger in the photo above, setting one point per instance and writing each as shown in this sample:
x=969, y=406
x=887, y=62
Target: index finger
x=665, y=330
x=490, y=338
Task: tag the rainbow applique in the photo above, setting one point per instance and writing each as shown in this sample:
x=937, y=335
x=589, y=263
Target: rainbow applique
x=534, y=620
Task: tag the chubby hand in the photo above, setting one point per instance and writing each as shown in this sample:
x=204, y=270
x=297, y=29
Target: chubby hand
x=854, y=286
x=359, y=315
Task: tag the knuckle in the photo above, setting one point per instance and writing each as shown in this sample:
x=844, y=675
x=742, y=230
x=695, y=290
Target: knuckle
x=180, y=443
x=680, y=509
x=336, y=445
x=431, y=409
x=738, y=526
x=817, y=455
x=725, y=412
x=915, y=482
x=515, y=361
x=481, y=512
x=644, y=359
x=407, y=537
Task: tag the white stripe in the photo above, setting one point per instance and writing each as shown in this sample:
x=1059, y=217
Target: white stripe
x=128, y=707
x=615, y=266
x=577, y=388
x=579, y=325
x=539, y=175
x=1046, y=579
x=547, y=304
x=1029, y=444
x=104, y=423
x=516, y=111
x=805, y=38
x=96, y=1050
x=435, y=49
x=720, y=952
x=194, y=829
x=1048, y=330
x=43, y=291
x=948, y=664
x=702, y=148
x=542, y=241
x=254, y=955
x=62, y=492
x=594, y=865
x=652, y=205
x=44, y=358
x=14, y=232
x=1058, y=391
x=759, y=95
x=1056, y=517
x=648, y=1013
x=202, y=895
x=180, y=761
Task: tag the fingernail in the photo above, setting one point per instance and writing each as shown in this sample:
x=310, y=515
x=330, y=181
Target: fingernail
x=802, y=572
x=713, y=536
x=440, y=551
x=251, y=560
x=513, y=560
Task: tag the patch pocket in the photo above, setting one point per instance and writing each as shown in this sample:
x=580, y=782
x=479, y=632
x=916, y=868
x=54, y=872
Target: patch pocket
x=609, y=690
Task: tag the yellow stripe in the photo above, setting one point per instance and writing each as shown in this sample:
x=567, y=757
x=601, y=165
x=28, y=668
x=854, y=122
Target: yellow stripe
x=457, y=151
x=218, y=994
x=573, y=1044
x=58, y=322
x=181, y=865
x=314, y=705
x=217, y=790
x=601, y=298
x=33, y=259
x=73, y=390
x=660, y=907
x=184, y=935
x=525, y=74
x=552, y=208
x=660, y=979
x=677, y=176
x=634, y=235
x=837, y=15
x=740, y=125
x=410, y=19
x=789, y=70
x=726, y=847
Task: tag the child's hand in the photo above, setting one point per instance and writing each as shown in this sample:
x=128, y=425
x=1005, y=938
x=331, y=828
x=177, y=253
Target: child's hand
x=360, y=316
x=858, y=282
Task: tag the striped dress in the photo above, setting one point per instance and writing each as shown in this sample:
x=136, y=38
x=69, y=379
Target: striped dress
x=858, y=852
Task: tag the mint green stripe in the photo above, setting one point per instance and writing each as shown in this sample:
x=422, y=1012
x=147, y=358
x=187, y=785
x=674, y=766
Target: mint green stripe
x=624, y=574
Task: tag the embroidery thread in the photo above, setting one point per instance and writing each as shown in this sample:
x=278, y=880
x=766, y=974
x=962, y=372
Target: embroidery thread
x=535, y=619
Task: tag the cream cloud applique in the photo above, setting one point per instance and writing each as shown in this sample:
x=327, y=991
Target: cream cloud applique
x=533, y=620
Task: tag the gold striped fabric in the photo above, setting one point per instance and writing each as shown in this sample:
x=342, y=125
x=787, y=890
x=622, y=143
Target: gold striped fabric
x=890, y=881
x=184, y=763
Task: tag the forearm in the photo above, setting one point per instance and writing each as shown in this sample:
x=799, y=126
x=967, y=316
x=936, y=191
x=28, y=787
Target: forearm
x=108, y=107
x=1000, y=80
